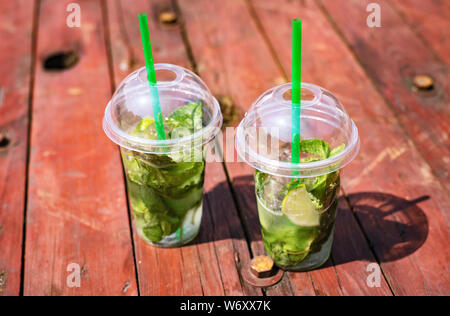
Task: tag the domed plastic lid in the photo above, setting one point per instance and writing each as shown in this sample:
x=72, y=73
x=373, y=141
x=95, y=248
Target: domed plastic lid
x=329, y=138
x=177, y=87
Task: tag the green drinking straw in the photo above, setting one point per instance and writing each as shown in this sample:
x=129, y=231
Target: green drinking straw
x=296, y=88
x=151, y=76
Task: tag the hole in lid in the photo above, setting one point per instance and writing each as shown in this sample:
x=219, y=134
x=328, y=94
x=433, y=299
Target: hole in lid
x=165, y=75
x=305, y=95
x=61, y=60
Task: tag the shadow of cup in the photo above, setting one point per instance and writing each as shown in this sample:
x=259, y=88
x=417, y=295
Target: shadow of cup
x=396, y=227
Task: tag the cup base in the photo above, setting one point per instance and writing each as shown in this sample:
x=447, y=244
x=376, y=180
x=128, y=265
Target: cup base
x=170, y=241
x=315, y=260
x=189, y=231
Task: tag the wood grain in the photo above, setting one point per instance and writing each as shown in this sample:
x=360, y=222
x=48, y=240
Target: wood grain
x=429, y=19
x=232, y=58
x=77, y=210
x=392, y=55
x=15, y=58
x=351, y=253
x=208, y=265
x=394, y=212
x=401, y=206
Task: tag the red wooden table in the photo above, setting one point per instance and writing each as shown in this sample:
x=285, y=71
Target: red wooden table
x=62, y=191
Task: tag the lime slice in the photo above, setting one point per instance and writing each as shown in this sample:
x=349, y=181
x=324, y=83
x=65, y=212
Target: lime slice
x=297, y=206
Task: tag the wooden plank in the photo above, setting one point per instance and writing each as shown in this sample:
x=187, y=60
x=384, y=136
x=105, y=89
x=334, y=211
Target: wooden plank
x=228, y=234
x=231, y=57
x=193, y=269
x=407, y=237
x=352, y=257
x=77, y=210
x=349, y=240
x=15, y=31
x=429, y=19
x=392, y=55
x=208, y=265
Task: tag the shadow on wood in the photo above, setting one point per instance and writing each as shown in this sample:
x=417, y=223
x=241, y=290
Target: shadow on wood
x=398, y=227
x=393, y=226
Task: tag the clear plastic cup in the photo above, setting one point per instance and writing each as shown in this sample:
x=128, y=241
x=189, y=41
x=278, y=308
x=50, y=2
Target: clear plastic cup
x=297, y=202
x=164, y=177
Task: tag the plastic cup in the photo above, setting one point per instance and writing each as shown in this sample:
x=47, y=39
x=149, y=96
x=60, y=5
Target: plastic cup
x=164, y=177
x=297, y=202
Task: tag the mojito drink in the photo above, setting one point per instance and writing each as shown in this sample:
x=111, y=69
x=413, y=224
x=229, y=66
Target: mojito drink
x=164, y=166
x=166, y=190
x=297, y=215
x=297, y=197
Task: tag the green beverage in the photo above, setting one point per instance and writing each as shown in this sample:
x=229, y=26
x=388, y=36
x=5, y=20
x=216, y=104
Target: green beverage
x=297, y=199
x=166, y=191
x=164, y=163
x=297, y=215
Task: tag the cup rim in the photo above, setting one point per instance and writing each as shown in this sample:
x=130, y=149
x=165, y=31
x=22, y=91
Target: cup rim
x=131, y=142
x=289, y=169
x=256, y=160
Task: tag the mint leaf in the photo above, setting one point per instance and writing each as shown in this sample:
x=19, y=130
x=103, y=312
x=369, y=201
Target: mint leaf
x=288, y=244
x=163, y=188
x=295, y=183
x=189, y=116
x=316, y=147
x=337, y=150
x=151, y=214
x=318, y=191
x=154, y=233
x=184, y=121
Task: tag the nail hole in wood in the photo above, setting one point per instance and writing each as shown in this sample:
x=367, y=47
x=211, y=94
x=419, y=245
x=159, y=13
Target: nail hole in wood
x=168, y=17
x=253, y=280
x=61, y=61
x=5, y=141
x=425, y=86
x=423, y=82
